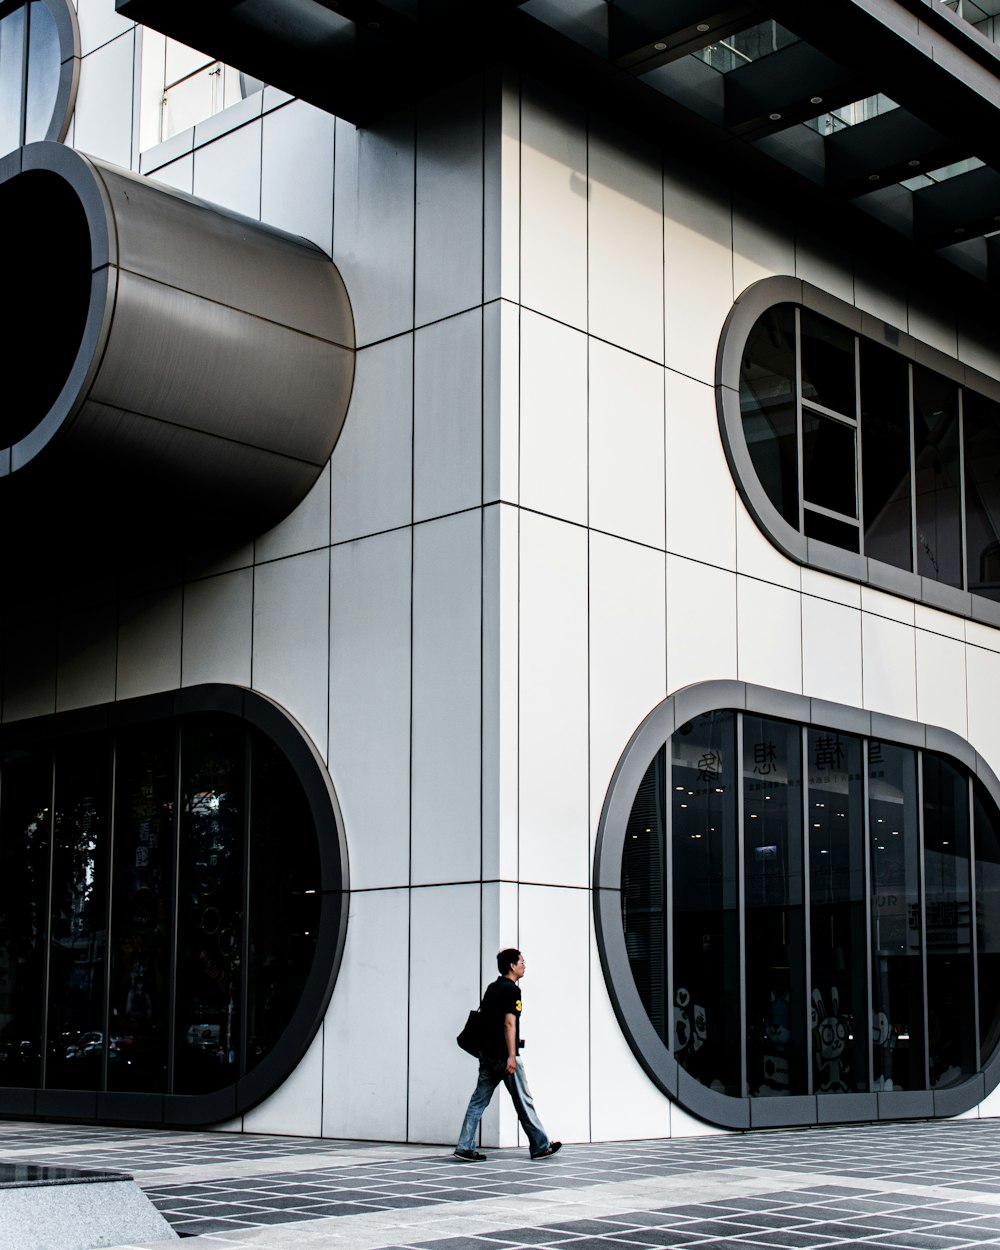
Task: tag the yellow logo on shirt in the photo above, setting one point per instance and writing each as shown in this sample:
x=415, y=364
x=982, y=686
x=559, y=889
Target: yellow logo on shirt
x=517, y=1005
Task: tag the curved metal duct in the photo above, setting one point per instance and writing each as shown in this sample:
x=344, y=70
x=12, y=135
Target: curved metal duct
x=173, y=368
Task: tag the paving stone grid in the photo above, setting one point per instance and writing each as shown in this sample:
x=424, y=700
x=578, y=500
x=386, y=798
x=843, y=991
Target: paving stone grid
x=912, y=1187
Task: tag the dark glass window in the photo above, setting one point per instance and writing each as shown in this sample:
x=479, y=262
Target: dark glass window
x=826, y=933
x=775, y=907
x=706, y=912
x=897, y=941
x=644, y=887
x=768, y=403
x=78, y=941
x=981, y=421
x=885, y=444
x=951, y=1042
x=827, y=364
x=25, y=833
x=861, y=448
x=987, y=843
x=829, y=463
x=838, y=924
x=937, y=477
x=161, y=900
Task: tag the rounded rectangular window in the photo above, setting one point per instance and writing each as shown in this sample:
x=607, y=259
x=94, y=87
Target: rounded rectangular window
x=805, y=916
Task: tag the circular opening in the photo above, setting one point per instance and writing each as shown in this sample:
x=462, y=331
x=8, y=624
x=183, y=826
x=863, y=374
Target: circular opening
x=49, y=287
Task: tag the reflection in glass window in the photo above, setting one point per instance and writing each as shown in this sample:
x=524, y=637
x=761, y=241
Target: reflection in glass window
x=897, y=942
x=769, y=406
x=706, y=914
x=644, y=887
x=885, y=442
x=981, y=420
x=775, y=907
x=827, y=932
x=860, y=448
x=838, y=924
x=170, y=957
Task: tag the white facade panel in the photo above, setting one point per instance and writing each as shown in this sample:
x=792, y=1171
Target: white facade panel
x=769, y=635
x=626, y=445
x=831, y=651
x=372, y=464
x=701, y=506
x=99, y=24
x=701, y=622
x=983, y=671
x=890, y=677
x=306, y=527
x=102, y=123
x=625, y=243
x=553, y=209
x=444, y=986
x=941, y=682
x=217, y=641
x=824, y=265
x=448, y=416
x=30, y=655
x=447, y=675
x=449, y=203
x=554, y=934
x=370, y=704
x=552, y=781
x=297, y=150
x=757, y=557
x=373, y=215
x=296, y=1107
x=291, y=615
x=697, y=271
x=87, y=658
x=627, y=651
x=149, y=644
x=553, y=418
x=227, y=172
x=501, y=713
x=365, y=1032
x=763, y=245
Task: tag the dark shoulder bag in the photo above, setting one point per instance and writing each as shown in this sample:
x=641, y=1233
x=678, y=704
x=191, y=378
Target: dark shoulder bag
x=471, y=1037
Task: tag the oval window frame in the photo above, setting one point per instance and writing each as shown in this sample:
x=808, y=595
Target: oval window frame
x=67, y=26
x=660, y=1066
x=749, y=307
x=201, y=1110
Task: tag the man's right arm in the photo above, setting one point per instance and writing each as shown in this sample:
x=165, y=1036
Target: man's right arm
x=510, y=1036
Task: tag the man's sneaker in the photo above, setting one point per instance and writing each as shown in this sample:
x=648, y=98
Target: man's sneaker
x=469, y=1156
x=550, y=1149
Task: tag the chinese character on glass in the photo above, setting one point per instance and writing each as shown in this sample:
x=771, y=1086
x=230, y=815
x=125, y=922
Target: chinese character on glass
x=764, y=756
x=829, y=752
x=710, y=766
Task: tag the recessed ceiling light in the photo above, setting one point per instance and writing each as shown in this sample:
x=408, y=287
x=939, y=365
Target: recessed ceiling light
x=659, y=47
x=874, y=177
x=775, y=117
x=702, y=27
x=913, y=163
x=815, y=99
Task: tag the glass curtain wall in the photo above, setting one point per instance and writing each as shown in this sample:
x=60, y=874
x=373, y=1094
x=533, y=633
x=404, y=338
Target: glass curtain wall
x=861, y=448
x=832, y=926
x=159, y=906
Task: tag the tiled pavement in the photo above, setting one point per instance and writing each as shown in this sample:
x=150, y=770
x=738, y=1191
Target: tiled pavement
x=906, y=1187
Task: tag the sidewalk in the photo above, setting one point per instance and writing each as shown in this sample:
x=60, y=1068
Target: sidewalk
x=928, y=1186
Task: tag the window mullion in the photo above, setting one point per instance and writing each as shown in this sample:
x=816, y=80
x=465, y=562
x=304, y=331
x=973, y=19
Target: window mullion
x=914, y=552
x=859, y=495
x=961, y=488
x=866, y=833
x=741, y=905
x=922, y=911
x=806, y=905
x=973, y=933
x=799, y=441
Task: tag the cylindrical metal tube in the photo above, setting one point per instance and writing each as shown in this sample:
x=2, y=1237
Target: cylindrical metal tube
x=175, y=368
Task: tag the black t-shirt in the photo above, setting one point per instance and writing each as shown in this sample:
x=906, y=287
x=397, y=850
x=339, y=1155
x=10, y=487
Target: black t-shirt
x=501, y=999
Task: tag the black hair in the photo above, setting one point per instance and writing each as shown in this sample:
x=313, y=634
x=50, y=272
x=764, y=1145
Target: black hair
x=506, y=959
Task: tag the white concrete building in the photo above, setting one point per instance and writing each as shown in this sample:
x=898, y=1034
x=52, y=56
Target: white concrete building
x=527, y=538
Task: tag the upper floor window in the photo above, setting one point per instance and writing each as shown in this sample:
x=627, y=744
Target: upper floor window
x=39, y=70
x=863, y=441
x=181, y=87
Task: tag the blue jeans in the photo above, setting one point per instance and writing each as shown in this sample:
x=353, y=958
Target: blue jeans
x=491, y=1073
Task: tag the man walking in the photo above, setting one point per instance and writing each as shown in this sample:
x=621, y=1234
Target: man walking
x=499, y=1061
